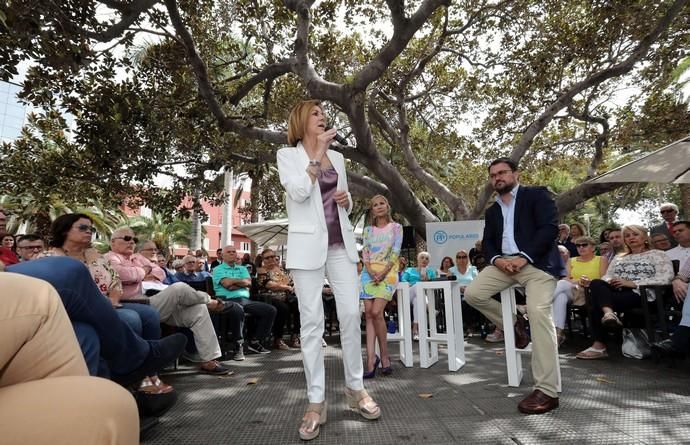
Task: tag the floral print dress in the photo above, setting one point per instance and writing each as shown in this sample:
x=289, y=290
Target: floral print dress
x=381, y=246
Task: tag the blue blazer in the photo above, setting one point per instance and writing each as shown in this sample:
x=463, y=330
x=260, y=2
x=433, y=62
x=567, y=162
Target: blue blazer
x=536, y=229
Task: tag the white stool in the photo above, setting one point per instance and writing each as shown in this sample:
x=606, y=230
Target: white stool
x=514, y=355
x=404, y=334
x=428, y=341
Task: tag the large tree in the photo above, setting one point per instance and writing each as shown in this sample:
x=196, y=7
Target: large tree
x=426, y=91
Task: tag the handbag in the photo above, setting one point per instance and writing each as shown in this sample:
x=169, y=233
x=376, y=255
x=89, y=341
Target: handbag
x=579, y=298
x=635, y=343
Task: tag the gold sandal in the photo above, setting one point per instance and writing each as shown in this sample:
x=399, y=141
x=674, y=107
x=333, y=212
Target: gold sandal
x=310, y=428
x=362, y=402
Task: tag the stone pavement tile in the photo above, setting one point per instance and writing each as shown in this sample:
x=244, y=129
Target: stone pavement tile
x=562, y=428
x=475, y=430
x=654, y=424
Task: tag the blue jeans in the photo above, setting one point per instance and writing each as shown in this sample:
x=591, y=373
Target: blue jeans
x=90, y=345
x=142, y=318
x=120, y=346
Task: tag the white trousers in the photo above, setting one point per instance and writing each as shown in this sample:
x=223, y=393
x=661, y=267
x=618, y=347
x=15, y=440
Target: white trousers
x=561, y=297
x=343, y=279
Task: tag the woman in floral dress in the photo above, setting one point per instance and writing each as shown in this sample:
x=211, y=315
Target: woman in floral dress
x=382, y=241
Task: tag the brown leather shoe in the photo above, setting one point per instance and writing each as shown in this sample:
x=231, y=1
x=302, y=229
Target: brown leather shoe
x=521, y=337
x=537, y=403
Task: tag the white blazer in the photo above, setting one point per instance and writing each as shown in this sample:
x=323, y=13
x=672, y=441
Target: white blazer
x=307, y=231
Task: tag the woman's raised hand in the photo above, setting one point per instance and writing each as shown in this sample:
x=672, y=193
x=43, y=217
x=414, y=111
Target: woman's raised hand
x=323, y=141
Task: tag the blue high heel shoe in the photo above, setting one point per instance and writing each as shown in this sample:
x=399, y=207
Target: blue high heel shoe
x=371, y=374
x=388, y=370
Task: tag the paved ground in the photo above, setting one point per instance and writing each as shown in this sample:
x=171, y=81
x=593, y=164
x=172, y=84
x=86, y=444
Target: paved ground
x=619, y=401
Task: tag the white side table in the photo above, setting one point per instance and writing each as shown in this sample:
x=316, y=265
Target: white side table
x=514, y=355
x=429, y=338
x=404, y=334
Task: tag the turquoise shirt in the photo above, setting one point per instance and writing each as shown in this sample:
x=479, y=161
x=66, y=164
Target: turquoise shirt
x=236, y=272
x=411, y=275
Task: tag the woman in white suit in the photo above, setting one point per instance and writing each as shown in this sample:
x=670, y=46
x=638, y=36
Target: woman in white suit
x=321, y=242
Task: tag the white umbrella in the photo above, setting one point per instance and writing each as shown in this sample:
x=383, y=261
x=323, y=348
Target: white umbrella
x=668, y=165
x=273, y=233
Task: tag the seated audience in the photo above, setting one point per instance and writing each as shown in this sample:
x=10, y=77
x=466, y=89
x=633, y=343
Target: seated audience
x=582, y=270
x=231, y=282
x=679, y=344
x=7, y=256
x=178, y=266
x=615, y=243
x=7, y=241
x=169, y=274
x=413, y=275
x=604, y=236
x=660, y=241
x=29, y=246
x=178, y=304
x=476, y=250
x=218, y=260
x=46, y=394
x=201, y=265
x=577, y=230
x=617, y=290
x=276, y=284
x=564, y=239
x=71, y=236
x=669, y=213
x=190, y=272
x=446, y=265
x=681, y=233
x=247, y=262
x=604, y=249
x=464, y=272
x=129, y=357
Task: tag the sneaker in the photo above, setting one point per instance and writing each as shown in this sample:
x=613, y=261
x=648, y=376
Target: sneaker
x=257, y=348
x=238, y=355
x=216, y=368
x=495, y=337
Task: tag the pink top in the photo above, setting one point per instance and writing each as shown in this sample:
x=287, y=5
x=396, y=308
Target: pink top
x=132, y=273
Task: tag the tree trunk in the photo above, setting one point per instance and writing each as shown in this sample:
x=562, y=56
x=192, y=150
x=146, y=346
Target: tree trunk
x=685, y=200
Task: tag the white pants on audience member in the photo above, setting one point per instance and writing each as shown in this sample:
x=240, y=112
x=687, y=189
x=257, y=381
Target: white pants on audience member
x=561, y=297
x=343, y=279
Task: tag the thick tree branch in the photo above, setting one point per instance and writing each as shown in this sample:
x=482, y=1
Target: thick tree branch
x=592, y=80
x=270, y=72
x=364, y=186
x=130, y=14
x=568, y=201
x=404, y=30
x=601, y=140
x=206, y=89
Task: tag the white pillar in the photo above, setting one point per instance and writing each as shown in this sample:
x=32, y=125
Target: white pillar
x=226, y=228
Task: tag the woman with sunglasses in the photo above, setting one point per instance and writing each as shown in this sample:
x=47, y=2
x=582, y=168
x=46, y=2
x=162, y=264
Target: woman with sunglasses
x=464, y=274
x=320, y=241
x=584, y=268
x=277, y=285
x=382, y=242
x=71, y=236
x=617, y=290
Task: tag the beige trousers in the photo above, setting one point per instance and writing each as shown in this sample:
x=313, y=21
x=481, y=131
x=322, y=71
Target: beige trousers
x=539, y=287
x=182, y=306
x=46, y=394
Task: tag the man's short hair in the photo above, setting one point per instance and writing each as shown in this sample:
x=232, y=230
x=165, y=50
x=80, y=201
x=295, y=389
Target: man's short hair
x=677, y=223
x=659, y=234
x=667, y=205
x=177, y=263
x=512, y=164
x=29, y=237
x=189, y=259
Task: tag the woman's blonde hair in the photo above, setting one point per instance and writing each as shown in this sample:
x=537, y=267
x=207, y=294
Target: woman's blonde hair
x=297, y=123
x=640, y=230
x=372, y=219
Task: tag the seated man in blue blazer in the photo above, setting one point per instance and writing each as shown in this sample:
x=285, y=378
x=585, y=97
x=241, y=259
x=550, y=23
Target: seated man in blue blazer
x=520, y=243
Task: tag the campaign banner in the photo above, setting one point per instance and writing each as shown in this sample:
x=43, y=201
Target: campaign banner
x=446, y=238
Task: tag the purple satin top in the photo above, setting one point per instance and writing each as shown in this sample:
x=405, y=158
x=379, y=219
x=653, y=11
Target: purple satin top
x=328, y=182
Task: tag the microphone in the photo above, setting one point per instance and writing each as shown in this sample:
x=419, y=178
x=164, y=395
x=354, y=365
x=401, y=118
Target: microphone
x=339, y=139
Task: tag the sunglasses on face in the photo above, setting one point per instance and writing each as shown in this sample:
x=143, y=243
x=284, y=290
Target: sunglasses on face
x=581, y=245
x=128, y=238
x=37, y=248
x=461, y=257
x=86, y=228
